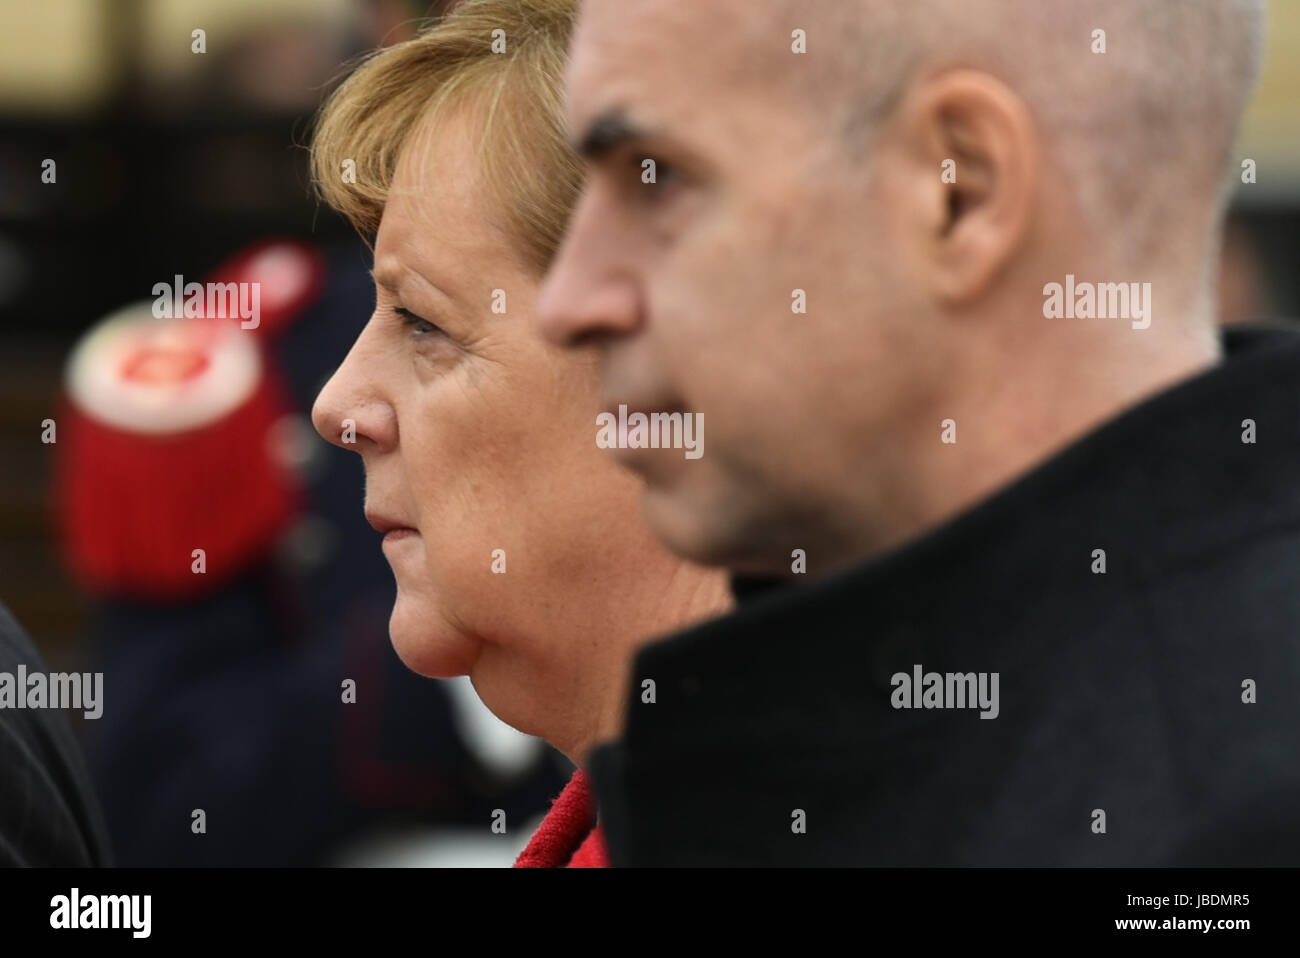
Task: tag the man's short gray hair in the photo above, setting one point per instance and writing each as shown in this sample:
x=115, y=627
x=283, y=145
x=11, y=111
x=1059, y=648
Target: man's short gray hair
x=1140, y=130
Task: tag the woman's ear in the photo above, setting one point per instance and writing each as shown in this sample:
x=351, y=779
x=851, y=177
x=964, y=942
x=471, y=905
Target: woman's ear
x=973, y=155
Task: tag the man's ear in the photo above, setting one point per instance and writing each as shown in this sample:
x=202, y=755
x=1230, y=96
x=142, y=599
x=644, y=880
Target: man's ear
x=973, y=156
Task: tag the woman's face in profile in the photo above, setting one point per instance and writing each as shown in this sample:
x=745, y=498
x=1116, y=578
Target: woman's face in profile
x=518, y=547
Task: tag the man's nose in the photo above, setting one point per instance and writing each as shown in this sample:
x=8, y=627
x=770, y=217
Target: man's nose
x=586, y=296
x=350, y=411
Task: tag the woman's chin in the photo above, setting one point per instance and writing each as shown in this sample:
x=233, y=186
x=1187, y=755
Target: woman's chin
x=427, y=645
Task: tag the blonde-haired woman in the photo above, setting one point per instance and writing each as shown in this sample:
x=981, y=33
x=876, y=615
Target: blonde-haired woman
x=518, y=547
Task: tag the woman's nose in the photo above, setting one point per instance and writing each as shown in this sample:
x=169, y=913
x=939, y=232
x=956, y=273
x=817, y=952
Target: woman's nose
x=350, y=410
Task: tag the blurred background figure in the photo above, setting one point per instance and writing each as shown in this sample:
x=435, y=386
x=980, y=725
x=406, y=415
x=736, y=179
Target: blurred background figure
x=257, y=713
x=133, y=150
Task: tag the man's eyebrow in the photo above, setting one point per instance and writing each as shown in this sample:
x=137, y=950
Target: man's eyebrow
x=606, y=133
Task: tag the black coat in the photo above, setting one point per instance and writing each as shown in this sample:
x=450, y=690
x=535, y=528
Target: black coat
x=49, y=814
x=1124, y=694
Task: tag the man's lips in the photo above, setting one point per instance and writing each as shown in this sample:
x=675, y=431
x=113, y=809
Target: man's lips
x=646, y=408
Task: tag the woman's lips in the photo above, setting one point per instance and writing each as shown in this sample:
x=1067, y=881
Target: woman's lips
x=398, y=543
x=381, y=523
x=392, y=529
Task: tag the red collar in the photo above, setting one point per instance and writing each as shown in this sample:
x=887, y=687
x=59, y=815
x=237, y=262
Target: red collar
x=569, y=836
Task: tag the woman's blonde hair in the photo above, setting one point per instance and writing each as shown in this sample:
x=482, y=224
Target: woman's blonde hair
x=503, y=57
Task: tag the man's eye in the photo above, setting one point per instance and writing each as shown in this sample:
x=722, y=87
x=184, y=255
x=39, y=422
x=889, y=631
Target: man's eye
x=417, y=326
x=656, y=176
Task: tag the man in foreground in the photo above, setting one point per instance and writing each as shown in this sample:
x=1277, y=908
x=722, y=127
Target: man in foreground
x=1014, y=533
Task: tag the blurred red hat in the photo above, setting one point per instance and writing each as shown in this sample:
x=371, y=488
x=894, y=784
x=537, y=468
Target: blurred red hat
x=165, y=448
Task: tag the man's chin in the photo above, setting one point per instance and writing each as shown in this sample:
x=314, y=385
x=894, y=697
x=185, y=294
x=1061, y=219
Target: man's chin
x=686, y=530
x=712, y=530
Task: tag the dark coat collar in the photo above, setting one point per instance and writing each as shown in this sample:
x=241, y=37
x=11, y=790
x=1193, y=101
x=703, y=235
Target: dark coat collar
x=1007, y=585
x=1169, y=478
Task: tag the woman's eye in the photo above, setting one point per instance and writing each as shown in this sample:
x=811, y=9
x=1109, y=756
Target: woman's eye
x=417, y=326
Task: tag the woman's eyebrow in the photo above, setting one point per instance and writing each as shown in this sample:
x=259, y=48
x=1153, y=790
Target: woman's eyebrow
x=389, y=278
x=384, y=278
